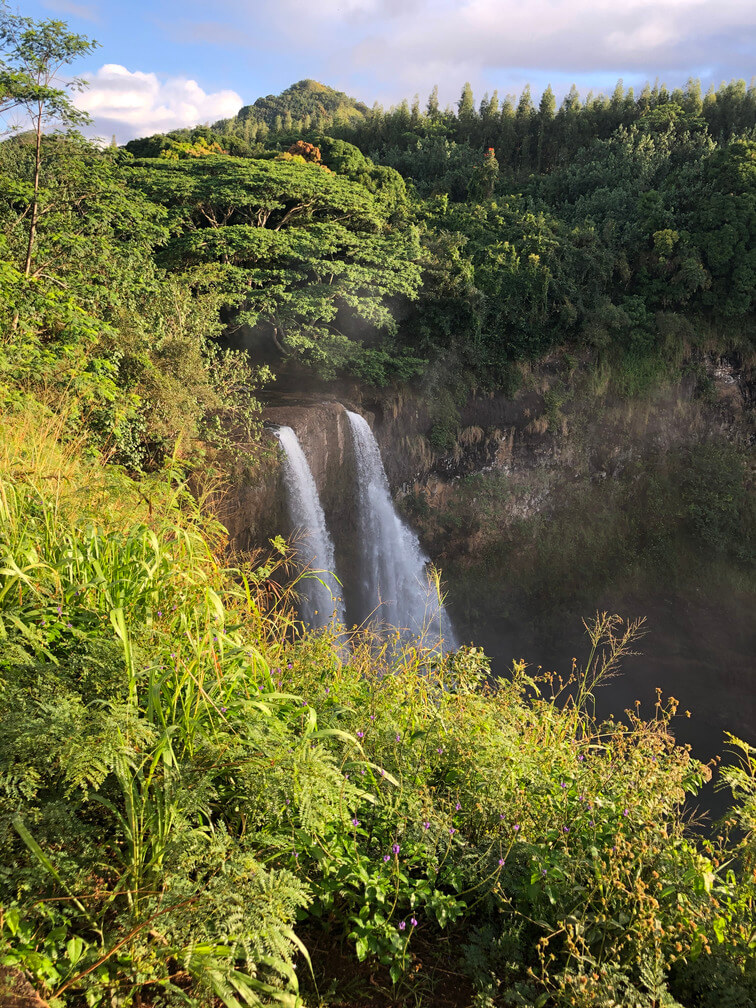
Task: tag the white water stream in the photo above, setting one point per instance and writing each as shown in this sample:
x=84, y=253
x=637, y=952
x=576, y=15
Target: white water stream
x=319, y=591
x=394, y=589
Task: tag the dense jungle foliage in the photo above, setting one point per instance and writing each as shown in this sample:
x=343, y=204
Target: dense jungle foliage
x=201, y=804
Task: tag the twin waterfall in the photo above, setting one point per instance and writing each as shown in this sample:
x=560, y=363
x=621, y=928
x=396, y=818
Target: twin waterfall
x=390, y=590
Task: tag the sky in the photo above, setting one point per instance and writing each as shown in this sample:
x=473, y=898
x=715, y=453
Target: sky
x=170, y=63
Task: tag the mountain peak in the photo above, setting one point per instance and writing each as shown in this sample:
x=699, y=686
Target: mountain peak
x=306, y=98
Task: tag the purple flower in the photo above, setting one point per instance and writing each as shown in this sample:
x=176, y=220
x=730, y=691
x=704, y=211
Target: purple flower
x=386, y=857
x=457, y=806
x=372, y=717
x=413, y=921
x=327, y=690
x=516, y=827
x=288, y=665
x=346, y=776
x=402, y=925
x=581, y=757
x=398, y=738
x=360, y=734
x=625, y=813
x=501, y=861
x=355, y=822
x=426, y=825
x=565, y=829
x=501, y=815
x=440, y=749
x=223, y=710
x=395, y=848
x=562, y=784
x=452, y=831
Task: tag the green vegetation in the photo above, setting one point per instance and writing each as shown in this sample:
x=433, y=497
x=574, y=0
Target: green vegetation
x=621, y=226
x=603, y=224
x=190, y=794
x=305, y=105
x=195, y=802
x=201, y=802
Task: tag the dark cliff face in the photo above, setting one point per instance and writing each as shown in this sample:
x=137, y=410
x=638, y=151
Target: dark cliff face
x=551, y=431
x=556, y=422
x=258, y=506
x=253, y=506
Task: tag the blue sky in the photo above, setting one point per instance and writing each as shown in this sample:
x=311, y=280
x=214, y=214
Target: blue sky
x=166, y=64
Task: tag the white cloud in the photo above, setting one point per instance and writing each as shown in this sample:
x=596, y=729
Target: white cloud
x=574, y=35
x=399, y=44
x=133, y=103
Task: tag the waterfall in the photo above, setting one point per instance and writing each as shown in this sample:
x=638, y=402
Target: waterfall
x=319, y=592
x=394, y=589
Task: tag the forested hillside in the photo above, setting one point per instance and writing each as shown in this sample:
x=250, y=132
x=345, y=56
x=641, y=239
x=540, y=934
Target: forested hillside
x=203, y=803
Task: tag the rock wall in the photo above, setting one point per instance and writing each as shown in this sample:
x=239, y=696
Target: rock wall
x=323, y=432
x=559, y=427
x=253, y=506
x=551, y=430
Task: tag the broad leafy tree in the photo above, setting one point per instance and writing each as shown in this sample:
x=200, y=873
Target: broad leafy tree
x=300, y=252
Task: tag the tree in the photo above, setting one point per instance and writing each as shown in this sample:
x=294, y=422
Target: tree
x=305, y=256
x=34, y=53
x=525, y=117
x=546, y=110
x=466, y=114
x=466, y=103
x=432, y=109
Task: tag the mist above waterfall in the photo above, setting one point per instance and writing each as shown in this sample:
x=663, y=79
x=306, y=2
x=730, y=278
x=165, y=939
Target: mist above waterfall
x=319, y=591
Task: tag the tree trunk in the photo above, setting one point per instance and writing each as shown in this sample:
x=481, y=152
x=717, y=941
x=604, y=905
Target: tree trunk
x=35, y=198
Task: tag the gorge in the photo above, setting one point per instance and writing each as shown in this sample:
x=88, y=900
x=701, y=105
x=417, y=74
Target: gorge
x=533, y=520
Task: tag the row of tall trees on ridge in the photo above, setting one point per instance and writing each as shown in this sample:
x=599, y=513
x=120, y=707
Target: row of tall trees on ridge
x=527, y=135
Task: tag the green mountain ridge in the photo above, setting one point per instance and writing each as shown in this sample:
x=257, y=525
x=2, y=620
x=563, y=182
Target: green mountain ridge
x=306, y=98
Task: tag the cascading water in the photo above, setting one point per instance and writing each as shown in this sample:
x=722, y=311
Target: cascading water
x=394, y=589
x=319, y=592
